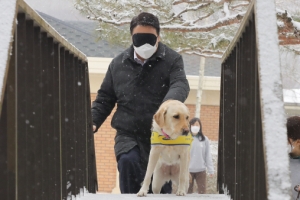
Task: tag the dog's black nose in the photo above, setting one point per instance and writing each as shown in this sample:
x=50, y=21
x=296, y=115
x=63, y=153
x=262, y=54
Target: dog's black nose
x=185, y=132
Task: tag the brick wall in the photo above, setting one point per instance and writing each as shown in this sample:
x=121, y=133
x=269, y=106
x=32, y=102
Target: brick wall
x=209, y=118
x=104, y=144
x=105, y=156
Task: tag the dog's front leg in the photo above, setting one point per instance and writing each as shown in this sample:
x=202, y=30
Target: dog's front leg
x=153, y=158
x=183, y=174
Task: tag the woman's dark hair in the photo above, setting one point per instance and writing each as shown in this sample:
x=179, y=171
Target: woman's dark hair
x=293, y=127
x=200, y=134
x=145, y=19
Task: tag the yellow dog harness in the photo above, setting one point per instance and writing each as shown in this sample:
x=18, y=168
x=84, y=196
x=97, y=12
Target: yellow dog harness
x=157, y=139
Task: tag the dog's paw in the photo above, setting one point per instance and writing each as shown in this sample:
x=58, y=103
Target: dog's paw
x=142, y=193
x=180, y=193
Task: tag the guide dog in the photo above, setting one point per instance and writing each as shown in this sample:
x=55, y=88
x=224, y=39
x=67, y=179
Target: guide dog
x=170, y=149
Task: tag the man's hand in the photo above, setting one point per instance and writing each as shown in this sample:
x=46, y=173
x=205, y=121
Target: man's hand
x=297, y=188
x=94, y=128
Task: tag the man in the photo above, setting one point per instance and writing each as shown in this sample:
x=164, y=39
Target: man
x=138, y=80
x=293, y=135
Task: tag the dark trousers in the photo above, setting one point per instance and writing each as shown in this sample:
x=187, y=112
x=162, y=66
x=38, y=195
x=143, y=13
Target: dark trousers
x=131, y=174
x=200, y=178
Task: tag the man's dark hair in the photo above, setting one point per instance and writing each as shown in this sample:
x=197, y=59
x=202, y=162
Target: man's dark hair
x=293, y=127
x=145, y=19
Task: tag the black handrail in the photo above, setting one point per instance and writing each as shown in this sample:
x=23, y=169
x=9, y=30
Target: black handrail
x=46, y=141
x=241, y=164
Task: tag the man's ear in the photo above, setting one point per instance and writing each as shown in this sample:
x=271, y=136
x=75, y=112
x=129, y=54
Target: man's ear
x=159, y=116
x=158, y=38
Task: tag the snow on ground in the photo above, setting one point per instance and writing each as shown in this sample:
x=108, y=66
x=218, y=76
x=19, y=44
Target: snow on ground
x=6, y=25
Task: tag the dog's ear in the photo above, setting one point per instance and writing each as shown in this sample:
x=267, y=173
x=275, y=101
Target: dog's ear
x=159, y=116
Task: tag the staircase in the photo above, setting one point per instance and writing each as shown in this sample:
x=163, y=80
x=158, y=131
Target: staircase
x=154, y=197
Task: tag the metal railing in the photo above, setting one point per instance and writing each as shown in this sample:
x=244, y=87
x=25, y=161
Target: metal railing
x=244, y=170
x=241, y=158
x=46, y=141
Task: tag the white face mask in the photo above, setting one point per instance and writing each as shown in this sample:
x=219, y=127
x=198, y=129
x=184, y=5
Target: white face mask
x=145, y=51
x=195, y=130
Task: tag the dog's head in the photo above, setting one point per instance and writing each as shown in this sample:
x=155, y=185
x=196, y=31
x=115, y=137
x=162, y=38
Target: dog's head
x=173, y=118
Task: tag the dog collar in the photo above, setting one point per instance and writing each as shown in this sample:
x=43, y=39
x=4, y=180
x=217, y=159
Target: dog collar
x=157, y=139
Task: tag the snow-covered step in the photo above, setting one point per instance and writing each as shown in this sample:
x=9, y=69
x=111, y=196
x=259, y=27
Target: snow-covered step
x=153, y=197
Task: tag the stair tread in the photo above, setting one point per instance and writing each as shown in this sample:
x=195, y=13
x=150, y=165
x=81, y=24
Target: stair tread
x=153, y=197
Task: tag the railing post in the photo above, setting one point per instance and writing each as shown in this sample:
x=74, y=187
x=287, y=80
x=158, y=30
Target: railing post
x=63, y=103
x=251, y=111
x=56, y=122
x=39, y=127
x=22, y=116
x=91, y=155
x=272, y=106
x=30, y=116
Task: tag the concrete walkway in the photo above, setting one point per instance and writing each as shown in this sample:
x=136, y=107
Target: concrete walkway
x=153, y=197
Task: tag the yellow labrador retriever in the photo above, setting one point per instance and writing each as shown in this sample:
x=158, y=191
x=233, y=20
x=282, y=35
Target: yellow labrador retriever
x=170, y=153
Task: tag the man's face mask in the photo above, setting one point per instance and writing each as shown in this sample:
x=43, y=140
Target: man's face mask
x=144, y=44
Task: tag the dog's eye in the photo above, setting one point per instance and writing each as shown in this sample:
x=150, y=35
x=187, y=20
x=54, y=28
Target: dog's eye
x=187, y=118
x=176, y=116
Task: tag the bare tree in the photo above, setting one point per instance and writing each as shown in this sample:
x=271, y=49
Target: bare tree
x=182, y=22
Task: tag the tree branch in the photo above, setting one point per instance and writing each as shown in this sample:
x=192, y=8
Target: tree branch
x=178, y=15
x=201, y=52
x=176, y=2
x=239, y=5
x=202, y=17
x=219, y=23
x=193, y=8
x=114, y=22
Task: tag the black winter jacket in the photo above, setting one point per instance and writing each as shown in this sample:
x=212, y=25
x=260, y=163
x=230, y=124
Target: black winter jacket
x=138, y=91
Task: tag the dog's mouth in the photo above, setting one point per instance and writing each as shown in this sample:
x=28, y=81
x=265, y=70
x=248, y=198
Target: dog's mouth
x=165, y=134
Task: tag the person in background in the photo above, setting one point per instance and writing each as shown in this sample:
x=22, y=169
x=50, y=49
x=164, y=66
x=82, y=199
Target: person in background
x=138, y=81
x=200, y=160
x=293, y=133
